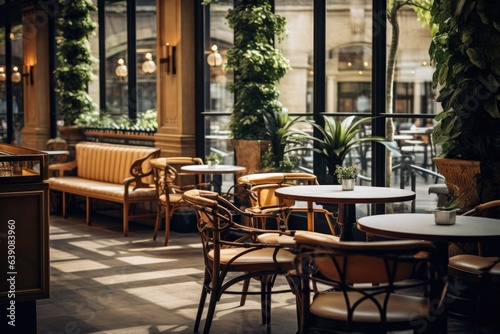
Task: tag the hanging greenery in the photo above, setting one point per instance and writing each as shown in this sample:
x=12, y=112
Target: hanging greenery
x=466, y=51
x=258, y=66
x=74, y=70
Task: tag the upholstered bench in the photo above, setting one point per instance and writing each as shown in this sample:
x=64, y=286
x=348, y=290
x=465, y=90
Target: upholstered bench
x=116, y=173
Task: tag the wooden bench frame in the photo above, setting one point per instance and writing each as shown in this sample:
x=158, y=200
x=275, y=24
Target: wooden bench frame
x=136, y=182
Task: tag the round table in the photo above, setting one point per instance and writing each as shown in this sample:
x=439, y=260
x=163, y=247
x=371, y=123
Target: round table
x=334, y=194
x=216, y=171
x=421, y=226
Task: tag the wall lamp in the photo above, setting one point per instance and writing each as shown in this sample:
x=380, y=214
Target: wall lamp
x=121, y=70
x=29, y=75
x=149, y=65
x=3, y=76
x=169, y=59
x=214, y=58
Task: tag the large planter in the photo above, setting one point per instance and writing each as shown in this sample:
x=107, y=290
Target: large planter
x=473, y=182
x=249, y=153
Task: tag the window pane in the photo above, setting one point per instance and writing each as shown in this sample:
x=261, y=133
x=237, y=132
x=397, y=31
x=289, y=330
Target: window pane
x=116, y=49
x=349, y=56
x=297, y=47
x=146, y=46
x=16, y=39
x=219, y=99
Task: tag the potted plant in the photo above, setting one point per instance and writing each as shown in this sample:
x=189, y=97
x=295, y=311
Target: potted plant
x=258, y=68
x=446, y=215
x=465, y=49
x=283, y=138
x=74, y=71
x=213, y=159
x=338, y=138
x=346, y=175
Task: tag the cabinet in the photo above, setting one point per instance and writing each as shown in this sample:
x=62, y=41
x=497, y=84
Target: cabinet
x=24, y=236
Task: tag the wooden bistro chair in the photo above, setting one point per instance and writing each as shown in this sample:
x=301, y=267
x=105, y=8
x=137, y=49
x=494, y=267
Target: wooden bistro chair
x=169, y=188
x=365, y=286
x=233, y=254
x=480, y=272
x=261, y=188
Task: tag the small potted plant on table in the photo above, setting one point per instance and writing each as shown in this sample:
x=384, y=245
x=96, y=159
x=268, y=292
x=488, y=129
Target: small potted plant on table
x=446, y=215
x=213, y=159
x=346, y=176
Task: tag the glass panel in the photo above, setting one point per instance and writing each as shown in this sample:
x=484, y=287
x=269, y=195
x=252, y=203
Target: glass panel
x=297, y=46
x=219, y=98
x=16, y=39
x=116, y=49
x=349, y=55
x=146, y=46
x=3, y=89
x=94, y=49
x=414, y=96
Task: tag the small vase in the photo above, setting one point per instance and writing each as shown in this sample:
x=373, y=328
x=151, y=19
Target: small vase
x=348, y=184
x=445, y=217
x=212, y=164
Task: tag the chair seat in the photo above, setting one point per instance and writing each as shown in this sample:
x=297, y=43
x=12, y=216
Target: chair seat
x=401, y=308
x=473, y=264
x=173, y=198
x=276, y=238
x=258, y=258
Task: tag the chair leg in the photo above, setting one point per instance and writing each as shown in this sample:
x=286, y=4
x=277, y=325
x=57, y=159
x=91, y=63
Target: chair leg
x=168, y=217
x=201, y=306
x=87, y=211
x=244, y=291
x=214, y=296
x=64, y=213
x=157, y=223
x=125, y=219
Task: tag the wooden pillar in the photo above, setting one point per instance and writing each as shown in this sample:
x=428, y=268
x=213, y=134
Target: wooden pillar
x=36, y=130
x=175, y=91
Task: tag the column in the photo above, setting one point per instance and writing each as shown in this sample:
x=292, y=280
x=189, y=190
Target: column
x=36, y=130
x=176, y=96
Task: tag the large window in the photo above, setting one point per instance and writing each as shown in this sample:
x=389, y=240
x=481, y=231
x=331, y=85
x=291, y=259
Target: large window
x=11, y=84
x=338, y=34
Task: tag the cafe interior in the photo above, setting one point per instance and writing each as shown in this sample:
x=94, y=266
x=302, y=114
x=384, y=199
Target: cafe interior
x=151, y=220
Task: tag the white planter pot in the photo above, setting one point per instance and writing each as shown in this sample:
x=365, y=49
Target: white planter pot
x=348, y=184
x=445, y=217
x=212, y=164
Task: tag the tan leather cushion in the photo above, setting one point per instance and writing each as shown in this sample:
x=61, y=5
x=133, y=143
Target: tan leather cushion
x=262, y=258
x=473, y=263
x=109, y=162
x=276, y=238
x=97, y=189
x=331, y=305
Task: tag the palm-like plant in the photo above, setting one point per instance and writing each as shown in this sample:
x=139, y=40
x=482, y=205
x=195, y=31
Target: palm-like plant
x=282, y=135
x=338, y=138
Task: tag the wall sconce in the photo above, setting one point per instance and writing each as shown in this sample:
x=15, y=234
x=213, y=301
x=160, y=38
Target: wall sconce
x=16, y=76
x=149, y=65
x=3, y=77
x=121, y=70
x=29, y=75
x=214, y=59
x=169, y=59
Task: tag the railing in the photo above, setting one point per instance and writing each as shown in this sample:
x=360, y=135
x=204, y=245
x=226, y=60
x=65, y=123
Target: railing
x=140, y=137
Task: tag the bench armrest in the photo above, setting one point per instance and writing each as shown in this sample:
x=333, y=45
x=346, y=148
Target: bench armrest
x=138, y=174
x=63, y=167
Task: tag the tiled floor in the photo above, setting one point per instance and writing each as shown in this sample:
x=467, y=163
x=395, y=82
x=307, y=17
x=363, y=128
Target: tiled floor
x=102, y=282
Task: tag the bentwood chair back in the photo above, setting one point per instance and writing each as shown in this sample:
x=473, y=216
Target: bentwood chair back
x=233, y=255
x=262, y=186
x=170, y=183
x=168, y=194
x=366, y=286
